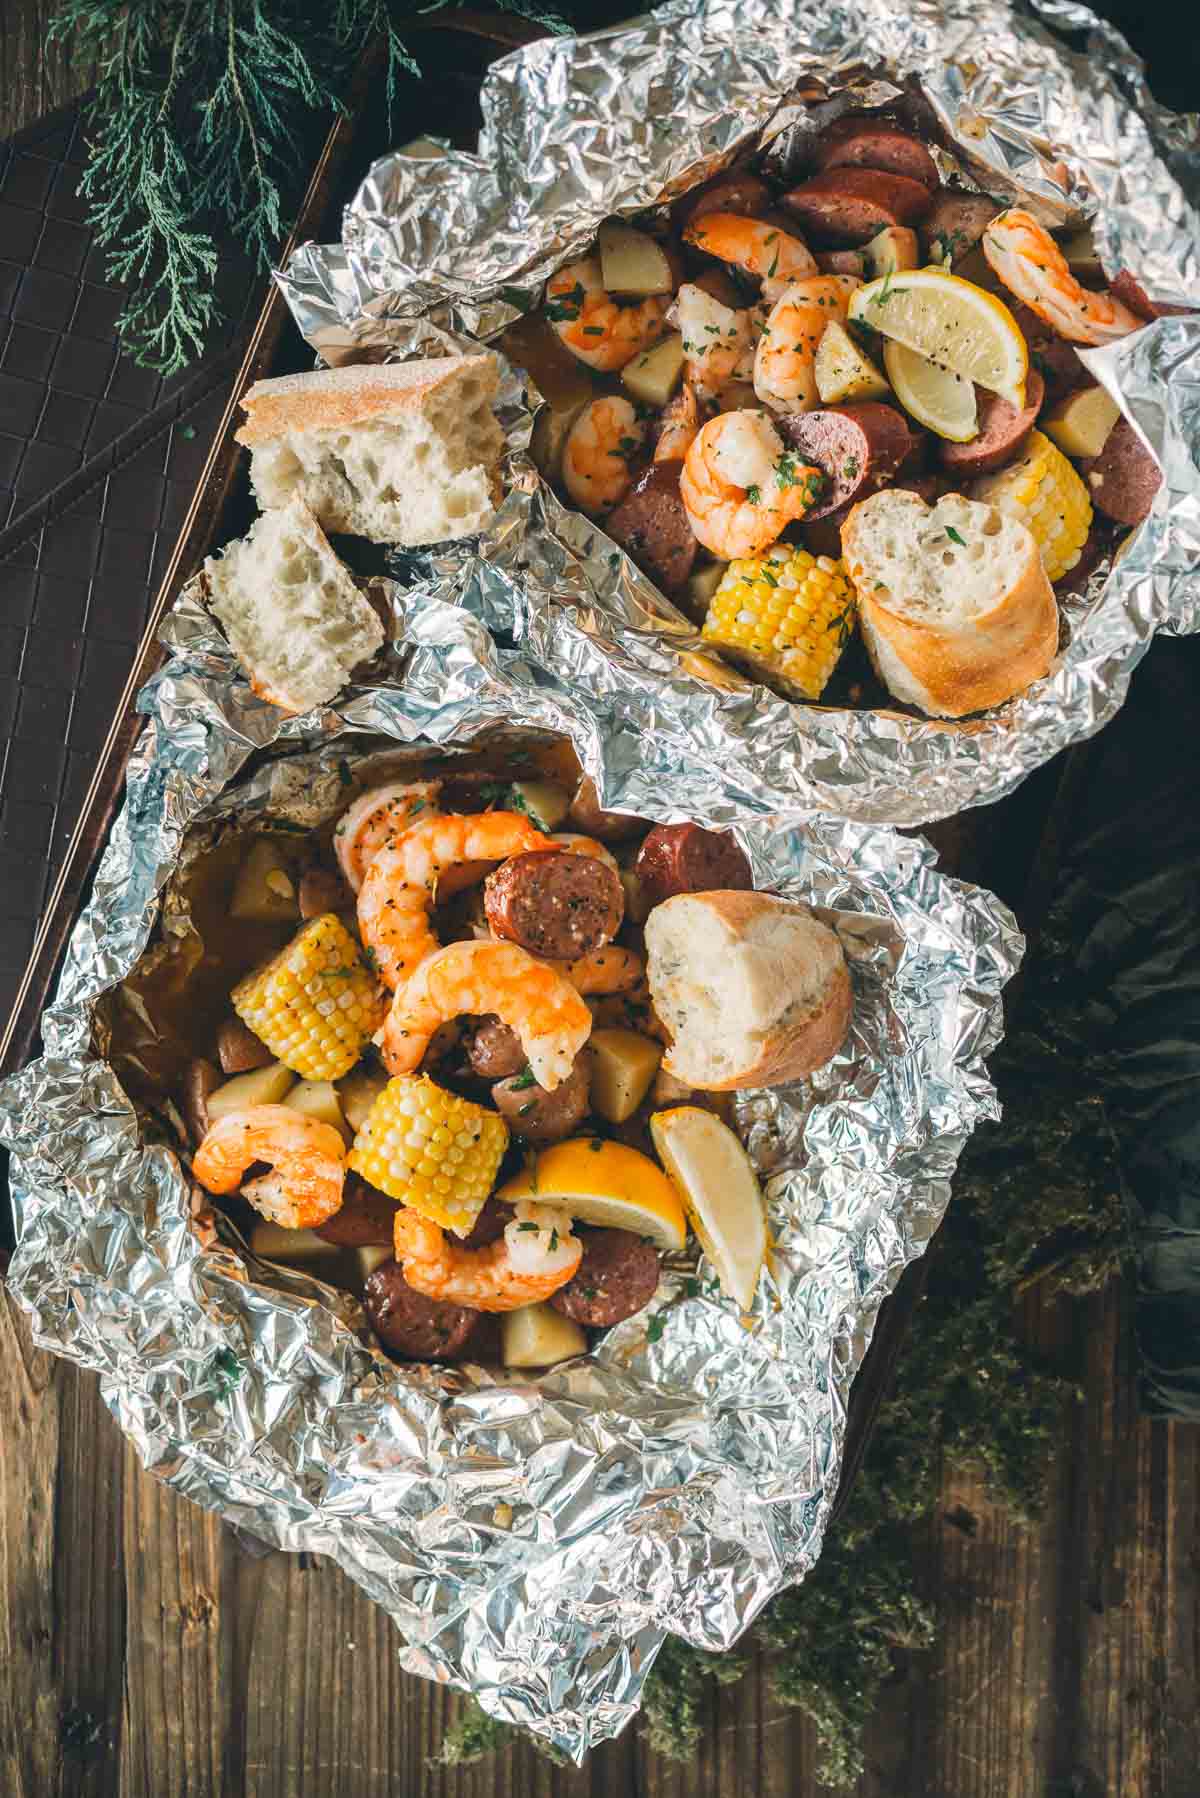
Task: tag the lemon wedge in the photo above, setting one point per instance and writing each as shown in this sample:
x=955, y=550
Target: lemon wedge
x=720, y=1191
x=952, y=322
x=606, y=1184
x=937, y=398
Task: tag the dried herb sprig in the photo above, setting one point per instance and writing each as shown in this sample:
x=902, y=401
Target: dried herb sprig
x=197, y=128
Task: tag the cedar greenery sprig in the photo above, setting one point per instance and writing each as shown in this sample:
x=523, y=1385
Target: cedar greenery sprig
x=197, y=129
x=1036, y=1200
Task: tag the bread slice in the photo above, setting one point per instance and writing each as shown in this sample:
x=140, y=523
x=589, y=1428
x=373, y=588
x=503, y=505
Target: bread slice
x=402, y=452
x=293, y=616
x=956, y=609
x=754, y=990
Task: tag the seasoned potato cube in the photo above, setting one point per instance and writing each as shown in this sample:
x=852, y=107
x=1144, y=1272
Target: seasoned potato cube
x=544, y=801
x=624, y=1062
x=1082, y=255
x=1081, y=422
x=551, y=428
x=296, y=1248
x=357, y=1091
x=538, y=1336
x=842, y=370
x=264, y=891
x=631, y=261
x=261, y=1086
x=319, y=1099
x=891, y=251
x=654, y=375
x=369, y=1255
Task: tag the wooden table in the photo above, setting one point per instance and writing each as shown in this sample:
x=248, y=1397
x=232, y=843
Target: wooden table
x=143, y=1654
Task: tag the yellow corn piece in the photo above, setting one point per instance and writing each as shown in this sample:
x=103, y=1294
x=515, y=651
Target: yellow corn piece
x=1048, y=496
x=431, y=1150
x=785, y=617
x=316, y=1003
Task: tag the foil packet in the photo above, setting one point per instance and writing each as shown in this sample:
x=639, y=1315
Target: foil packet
x=1045, y=105
x=534, y=1538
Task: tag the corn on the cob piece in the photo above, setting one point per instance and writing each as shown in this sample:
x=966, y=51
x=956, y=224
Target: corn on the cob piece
x=785, y=616
x=1048, y=496
x=316, y=1003
x=431, y=1150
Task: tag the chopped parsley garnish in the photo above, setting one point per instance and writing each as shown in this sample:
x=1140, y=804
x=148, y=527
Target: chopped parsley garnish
x=524, y=1079
x=754, y=495
x=851, y=468
x=785, y=471
x=565, y=306
x=655, y=1326
x=593, y=330
x=954, y=537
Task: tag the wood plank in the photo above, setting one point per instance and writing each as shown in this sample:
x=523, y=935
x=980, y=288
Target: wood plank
x=35, y=76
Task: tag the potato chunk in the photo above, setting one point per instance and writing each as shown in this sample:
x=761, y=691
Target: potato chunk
x=357, y=1092
x=654, y=375
x=1081, y=422
x=543, y=801
x=538, y=1336
x=842, y=371
x=551, y=428
x=624, y=1062
x=262, y=1086
x=264, y=891
x=631, y=261
x=891, y=251
x=319, y=1099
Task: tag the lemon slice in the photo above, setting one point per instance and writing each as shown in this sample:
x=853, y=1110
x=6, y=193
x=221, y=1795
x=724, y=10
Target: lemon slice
x=952, y=322
x=606, y=1184
x=721, y=1192
x=937, y=398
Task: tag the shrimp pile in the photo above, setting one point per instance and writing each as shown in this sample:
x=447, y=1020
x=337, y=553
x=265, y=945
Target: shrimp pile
x=1031, y=265
x=535, y=1256
x=740, y=487
x=593, y=326
x=307, y=1156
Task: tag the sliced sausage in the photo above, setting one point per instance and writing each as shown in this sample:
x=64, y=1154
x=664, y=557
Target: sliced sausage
x=366, y=1217
x=321, y=891
x=617, y=1277
x=490, y=1225
x=859, y=140
x=848, y=206
x=955, y=223
x=859, y=448
x=842, y=262
x=1003, y=430
x=554, y=903
x=651, y=525
x=538, y=1116
x=588, y=816
x=686, y=858
x=1131, y=293
x=494, y=1050
x=1124, y=477
x=413, y=1326
x=743, y=193
x=239, y=1050
x=1051, y=355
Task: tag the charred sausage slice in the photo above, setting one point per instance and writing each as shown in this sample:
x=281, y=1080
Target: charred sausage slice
x=955, y=223
x=1124, y=477
x=554, y=903
x=413, y=1326
x=651, y=525
x=743, y=193
x=239, y=1050
x=1131, y=293
x=859, y=140
x=686, y=858
x=1003, y=430
x=848, y=206
x=617, y=1277
x=494, y=1050
x=366, y=1216
x=859, y=448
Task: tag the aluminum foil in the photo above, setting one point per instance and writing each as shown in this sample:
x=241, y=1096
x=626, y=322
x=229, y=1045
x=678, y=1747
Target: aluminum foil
x=533, y=1538
x=1048, y=107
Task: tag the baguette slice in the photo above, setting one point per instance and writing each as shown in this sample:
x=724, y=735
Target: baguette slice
x=293, y=616
x=754, y=990
x=404, y=452
x=957, y=613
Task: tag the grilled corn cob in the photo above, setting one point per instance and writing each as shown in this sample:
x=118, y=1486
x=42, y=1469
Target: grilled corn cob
x=431, y=1150
x=785, y=616
x=1048, y=496
x=314, y=1004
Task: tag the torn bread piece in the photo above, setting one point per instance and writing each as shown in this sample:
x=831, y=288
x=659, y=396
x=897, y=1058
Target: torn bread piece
x=294, y=618
x=400, y=452
x=753, y=989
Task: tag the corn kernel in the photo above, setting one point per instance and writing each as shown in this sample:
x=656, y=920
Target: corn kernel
x=1045, y=493
x=431, y=1150
x=315, y=1004
x=785, y=616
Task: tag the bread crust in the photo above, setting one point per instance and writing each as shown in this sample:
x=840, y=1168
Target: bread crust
x=796, y=1048
x=968, y=667
x=335, y=398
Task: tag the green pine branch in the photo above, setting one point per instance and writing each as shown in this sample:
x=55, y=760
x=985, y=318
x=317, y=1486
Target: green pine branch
x=197, y=132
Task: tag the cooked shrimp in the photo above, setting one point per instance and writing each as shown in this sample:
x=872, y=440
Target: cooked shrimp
x=740, y=488
x=762, y=249
x=373, y=822
x=680, y=423
x=597, y=460
x=593, y=326
x=394, y=901
x=577, y=844
x=715, y=337
x=1032, y=266
x=784, y=376
x=481, y=979
x=536, y=1255
x=309, y=1159
x=607, y=970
